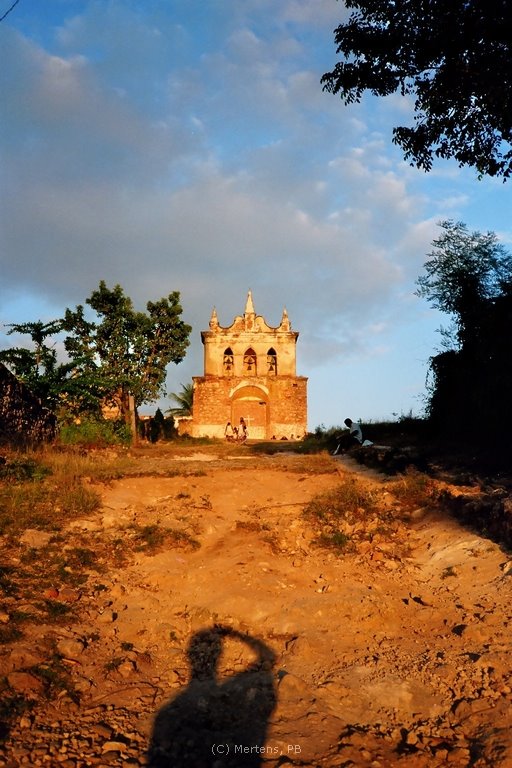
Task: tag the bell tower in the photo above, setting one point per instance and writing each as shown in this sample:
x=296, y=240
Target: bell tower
x=250, y=373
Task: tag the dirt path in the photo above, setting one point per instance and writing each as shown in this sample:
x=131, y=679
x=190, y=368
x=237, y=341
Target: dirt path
x=366, y=659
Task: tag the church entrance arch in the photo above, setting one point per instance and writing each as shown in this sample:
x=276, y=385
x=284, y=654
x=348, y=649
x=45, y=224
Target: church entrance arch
x=251, y=404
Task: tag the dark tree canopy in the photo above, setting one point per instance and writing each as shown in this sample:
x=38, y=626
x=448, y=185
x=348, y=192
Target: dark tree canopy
x=454, y=57
x=469, y=276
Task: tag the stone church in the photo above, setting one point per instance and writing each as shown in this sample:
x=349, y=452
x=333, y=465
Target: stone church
x=250, y=372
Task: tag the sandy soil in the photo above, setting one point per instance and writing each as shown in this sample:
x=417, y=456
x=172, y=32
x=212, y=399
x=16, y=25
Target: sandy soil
x=242, y=634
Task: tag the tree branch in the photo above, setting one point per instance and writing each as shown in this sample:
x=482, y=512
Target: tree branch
x=9, y=10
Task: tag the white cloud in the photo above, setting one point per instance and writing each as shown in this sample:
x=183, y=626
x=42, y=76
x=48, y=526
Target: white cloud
x=196, y=151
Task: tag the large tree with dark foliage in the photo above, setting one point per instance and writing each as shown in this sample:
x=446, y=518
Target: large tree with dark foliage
x=469, y=276
x=454, y=57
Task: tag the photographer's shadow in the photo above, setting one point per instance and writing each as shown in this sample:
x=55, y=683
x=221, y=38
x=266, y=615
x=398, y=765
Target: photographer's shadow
x=214, y=723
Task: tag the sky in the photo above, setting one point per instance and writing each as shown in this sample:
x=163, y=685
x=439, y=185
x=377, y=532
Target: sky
x=178, y=145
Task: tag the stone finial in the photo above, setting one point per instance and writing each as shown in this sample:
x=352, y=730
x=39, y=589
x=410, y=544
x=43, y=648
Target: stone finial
x=249, y=306
x=249, y=314
x=285, y=321
x=214, y=320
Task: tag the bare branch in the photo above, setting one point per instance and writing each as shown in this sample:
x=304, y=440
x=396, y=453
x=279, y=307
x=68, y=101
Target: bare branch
x=9, y=10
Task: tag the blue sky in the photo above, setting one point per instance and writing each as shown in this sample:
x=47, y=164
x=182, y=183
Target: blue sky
x=183, y=145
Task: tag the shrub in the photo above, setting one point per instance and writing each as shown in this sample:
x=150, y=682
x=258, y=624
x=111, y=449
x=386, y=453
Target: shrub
x=95, y=433
x=343, y=511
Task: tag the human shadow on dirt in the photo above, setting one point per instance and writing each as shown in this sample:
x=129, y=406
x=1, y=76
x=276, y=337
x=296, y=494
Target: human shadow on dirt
x=216, y=723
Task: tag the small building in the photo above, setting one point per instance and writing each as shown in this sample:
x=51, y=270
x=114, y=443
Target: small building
x=250, y=373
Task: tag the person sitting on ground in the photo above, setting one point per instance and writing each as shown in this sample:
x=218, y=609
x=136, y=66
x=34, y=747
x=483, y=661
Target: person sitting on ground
x=354, y=437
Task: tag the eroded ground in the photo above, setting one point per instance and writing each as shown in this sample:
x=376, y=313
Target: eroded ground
x=398, y=653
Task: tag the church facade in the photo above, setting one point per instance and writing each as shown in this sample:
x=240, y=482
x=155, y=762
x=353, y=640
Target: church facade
x=250, y=373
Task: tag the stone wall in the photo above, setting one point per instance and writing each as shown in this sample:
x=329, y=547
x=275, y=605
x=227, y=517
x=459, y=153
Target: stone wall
x=23, y=420
x=272, y=407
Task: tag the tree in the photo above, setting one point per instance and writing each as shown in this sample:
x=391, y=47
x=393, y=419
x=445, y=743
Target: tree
x=464, y=271
x=124, y=352
x=184, y=401
x=453, y=56
x=38, y=367
x=469, y=276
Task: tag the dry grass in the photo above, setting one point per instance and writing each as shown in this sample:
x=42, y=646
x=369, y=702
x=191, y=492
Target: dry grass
x=44, y=491
x=414, y=489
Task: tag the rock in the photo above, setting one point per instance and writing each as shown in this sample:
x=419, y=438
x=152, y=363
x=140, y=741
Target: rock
x=101, y=730
x=70, y=648
x=292, y=686
x=113, y=746
x=69, y=595
x=52, y=593
x=34, y=538
x=23, y=682
x=22, y=657
x=126, y=669
x=25, y=722
x=107, y=617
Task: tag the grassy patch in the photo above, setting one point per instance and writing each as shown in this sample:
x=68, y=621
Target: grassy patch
x=55, y=678
x=9, y=634
x=347, y=514
x=55, y=611
x=414, y=489
x=43, y=491
x=95, y=433
x=152, y=539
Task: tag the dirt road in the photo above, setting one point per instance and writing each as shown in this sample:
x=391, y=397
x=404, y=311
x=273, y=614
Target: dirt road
x=278, y=651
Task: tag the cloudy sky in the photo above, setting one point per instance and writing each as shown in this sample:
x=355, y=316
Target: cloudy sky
x=187, y=145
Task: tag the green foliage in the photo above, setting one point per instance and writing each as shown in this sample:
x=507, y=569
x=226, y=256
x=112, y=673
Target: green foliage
x=123, y=351
x=464, y=272
x=452, y=58
x=38, y=366
x=184, y=401
x=95, y=433
x=23, y=468
x=113, y=351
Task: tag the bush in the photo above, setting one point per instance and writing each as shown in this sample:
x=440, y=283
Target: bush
x=344, y=514
x=92, y=433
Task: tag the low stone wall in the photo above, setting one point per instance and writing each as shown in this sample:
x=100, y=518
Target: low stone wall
x=23, y=420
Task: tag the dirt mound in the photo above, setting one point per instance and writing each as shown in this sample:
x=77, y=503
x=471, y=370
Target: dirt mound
x=213, y=629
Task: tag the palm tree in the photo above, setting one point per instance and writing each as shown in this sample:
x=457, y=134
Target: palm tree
x=183, y=400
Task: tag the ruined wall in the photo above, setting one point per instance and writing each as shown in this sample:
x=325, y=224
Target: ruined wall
x=23, y=420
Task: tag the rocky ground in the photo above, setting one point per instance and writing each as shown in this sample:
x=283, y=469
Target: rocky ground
x=208, y=628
